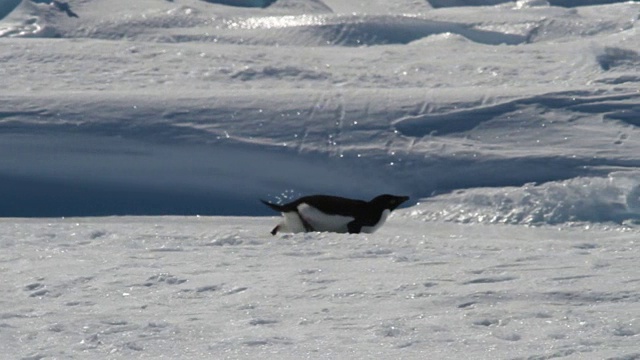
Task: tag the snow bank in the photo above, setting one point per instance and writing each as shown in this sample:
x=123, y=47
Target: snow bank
x=198, y=107
x=579, y=200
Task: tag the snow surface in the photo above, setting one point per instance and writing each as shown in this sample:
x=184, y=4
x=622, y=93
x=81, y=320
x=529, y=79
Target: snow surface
x=512, y=125
x=222, y=287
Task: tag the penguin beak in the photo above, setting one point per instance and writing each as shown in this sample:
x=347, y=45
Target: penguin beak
x=399, y=201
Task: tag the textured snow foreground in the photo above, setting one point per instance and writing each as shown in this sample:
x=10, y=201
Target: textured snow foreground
x=178, y=107
x=203, y=287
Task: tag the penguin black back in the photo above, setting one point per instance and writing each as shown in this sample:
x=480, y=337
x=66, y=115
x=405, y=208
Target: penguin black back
x=335, y=213
x=328, y=204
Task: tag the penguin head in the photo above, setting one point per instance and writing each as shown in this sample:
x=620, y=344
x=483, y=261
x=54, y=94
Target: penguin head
x=387, y=201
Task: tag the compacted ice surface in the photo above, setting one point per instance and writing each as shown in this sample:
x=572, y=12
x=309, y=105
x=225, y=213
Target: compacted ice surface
x=222, y=287
x=137, y=137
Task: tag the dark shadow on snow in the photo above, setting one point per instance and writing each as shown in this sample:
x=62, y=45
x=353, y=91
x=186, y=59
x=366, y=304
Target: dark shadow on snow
x=31, y=197
x=7, y=6
x=561, y=3
x=243, y=3
x=60, y=5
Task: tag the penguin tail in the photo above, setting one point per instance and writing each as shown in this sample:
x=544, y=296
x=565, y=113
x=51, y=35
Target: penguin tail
x=278, y=208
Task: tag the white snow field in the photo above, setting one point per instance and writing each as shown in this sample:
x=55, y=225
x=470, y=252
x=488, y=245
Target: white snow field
x=136, y=138
x=222, y=287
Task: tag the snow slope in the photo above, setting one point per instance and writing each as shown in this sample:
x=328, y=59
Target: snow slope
x=513, y=125
x=175, y=107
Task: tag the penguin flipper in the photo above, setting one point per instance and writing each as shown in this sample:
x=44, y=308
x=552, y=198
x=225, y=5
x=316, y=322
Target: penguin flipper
x=305, y=223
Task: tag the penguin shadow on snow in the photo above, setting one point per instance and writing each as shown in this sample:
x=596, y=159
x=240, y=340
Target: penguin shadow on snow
x=325, y=213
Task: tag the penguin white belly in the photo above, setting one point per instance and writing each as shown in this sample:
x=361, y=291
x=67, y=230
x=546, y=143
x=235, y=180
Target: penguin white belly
x=291, y=223
x=320, y=221
x=383, y=218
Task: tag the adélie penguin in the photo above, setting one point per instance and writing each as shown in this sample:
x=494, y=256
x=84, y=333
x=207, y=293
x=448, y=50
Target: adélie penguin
x=335, y=214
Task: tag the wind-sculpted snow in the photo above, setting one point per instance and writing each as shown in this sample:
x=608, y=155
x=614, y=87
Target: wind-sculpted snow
x=619, y=106
x=210, y=23
x=286, y=30
x=354, y=31
x=201, y=107
x=580, y=200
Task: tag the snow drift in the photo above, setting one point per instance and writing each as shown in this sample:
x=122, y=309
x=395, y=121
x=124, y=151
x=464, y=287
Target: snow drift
x=198, y=107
